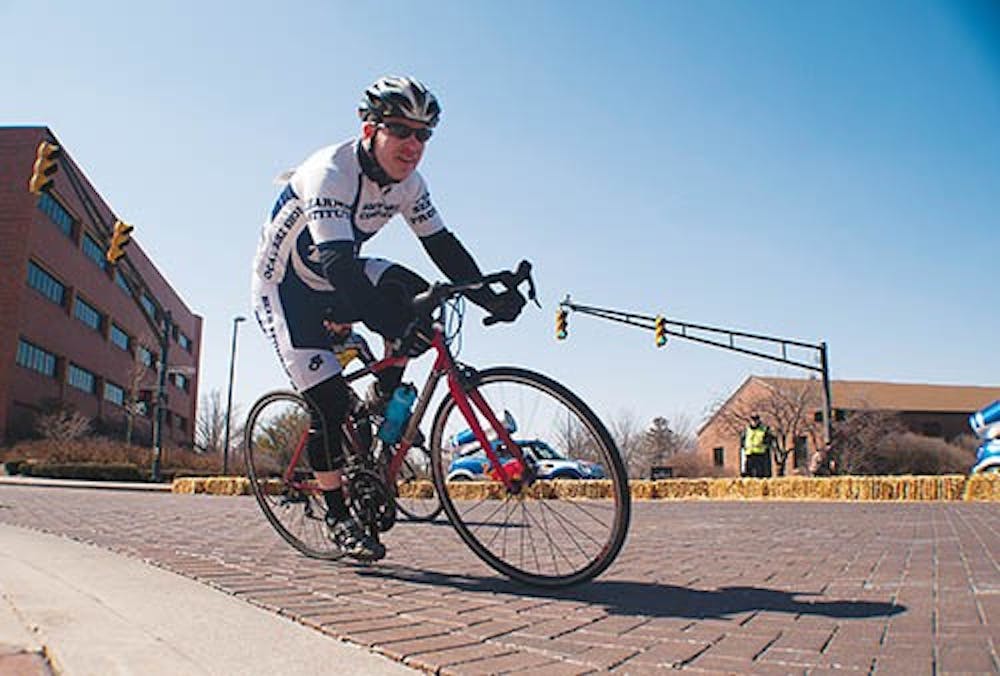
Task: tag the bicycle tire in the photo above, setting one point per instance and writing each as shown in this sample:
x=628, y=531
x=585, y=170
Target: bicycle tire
x=297, y=516
x=498, y=386
x=419, y=507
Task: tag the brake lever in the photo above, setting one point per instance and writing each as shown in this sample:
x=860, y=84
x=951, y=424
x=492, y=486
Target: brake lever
x=524, y=274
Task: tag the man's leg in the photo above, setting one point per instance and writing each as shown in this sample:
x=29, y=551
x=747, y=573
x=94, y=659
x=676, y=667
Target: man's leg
x=326, y=455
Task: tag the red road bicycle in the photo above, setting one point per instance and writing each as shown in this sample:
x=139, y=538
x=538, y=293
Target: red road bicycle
x=536, y=531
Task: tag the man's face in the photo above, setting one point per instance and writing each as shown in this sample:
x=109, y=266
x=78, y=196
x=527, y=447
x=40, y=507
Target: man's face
x=399, y=157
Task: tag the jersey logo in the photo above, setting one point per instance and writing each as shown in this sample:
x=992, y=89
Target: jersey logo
x=315, y=362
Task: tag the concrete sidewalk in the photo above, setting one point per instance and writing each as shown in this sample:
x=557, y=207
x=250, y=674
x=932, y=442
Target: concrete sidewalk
x=75, y=609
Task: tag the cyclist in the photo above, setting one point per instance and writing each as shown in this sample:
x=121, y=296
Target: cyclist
x=308, y=271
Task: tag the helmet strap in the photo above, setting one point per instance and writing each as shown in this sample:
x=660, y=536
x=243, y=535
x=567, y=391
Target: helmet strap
x=369, y=163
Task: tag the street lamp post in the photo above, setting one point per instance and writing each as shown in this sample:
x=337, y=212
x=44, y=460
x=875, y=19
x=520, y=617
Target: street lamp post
x=229, y=397
x=161, y=395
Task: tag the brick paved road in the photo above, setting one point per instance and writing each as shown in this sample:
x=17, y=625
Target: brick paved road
x=762, y=587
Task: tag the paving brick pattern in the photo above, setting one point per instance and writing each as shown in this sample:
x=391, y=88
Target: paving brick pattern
x=707, y=587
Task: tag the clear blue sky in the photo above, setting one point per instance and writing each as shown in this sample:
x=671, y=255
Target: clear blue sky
x=822, y=170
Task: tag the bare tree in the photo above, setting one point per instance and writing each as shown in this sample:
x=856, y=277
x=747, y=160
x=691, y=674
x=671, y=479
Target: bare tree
x=61, y=422
x=208, y=431
x=857, y=440
x=574, y=440
x=786, y=409
x=137, y=375
x=629, y=436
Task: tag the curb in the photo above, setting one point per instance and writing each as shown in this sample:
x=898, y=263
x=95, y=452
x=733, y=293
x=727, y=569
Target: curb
x=954, y=487
x=73, y=483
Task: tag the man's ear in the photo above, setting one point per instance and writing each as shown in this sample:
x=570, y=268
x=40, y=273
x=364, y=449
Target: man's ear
x=368, y=129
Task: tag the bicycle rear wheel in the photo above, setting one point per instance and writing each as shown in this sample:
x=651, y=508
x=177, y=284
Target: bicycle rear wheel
x=552, y=533
x=280, y=475
x=415, y=494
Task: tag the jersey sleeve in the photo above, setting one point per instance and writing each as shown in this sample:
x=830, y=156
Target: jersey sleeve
x=326, y=200
x=419, y=212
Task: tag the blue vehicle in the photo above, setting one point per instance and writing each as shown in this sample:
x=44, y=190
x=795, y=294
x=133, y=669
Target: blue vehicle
x=471, y=463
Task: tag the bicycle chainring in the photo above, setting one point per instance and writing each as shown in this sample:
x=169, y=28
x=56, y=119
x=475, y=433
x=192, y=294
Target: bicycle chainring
x=371, y=501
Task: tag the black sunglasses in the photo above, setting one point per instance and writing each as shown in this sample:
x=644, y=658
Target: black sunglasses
x=402, y=131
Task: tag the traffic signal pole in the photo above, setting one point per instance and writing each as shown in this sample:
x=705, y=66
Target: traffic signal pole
x=716, y=337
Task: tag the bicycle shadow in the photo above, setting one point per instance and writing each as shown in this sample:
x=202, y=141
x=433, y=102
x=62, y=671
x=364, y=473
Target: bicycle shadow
x=649, y=599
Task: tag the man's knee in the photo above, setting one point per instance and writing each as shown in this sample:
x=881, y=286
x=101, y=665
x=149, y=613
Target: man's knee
x=329, y=401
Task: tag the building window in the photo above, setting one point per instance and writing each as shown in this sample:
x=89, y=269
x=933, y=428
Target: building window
x=46, y=284
x=88, y=314
x=181, y=381
x=35, y=358
x=122, y=283
x=119, y=337
x=145, y=356
x=94, y=251
x=839, y=415
x=81, y=378
x=148, y=305
x=182, y=423
x=57, y=213
x=114, y=394
x=801, y=451
x=184, y=342
x=719, y=456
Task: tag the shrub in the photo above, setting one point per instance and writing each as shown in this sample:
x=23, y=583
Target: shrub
x=101, y=451
x=911, y=453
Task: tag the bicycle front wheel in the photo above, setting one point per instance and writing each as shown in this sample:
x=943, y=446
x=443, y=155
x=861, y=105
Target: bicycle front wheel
x=280, y=475
x=553, y=533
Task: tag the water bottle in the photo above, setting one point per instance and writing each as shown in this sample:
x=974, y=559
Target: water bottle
x=397, y=412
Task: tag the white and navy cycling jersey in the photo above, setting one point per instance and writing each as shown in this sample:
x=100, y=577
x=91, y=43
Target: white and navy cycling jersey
x=328, y=198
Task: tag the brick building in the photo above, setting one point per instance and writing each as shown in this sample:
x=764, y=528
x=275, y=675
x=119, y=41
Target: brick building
x=71, y=327
x=932, y=410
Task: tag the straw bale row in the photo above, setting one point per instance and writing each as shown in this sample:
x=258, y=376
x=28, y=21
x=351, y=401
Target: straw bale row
x=852, y=488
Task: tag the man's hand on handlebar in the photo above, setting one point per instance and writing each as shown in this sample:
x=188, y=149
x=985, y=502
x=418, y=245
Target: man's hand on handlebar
x=504, y=307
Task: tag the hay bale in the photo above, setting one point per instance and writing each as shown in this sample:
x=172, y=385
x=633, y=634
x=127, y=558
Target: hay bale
x=983, y=487
x=420, y=489
x=643, y=490
x=186, y=485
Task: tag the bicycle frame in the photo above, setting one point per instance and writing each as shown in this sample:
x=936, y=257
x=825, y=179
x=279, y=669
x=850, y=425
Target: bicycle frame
x=465, y=395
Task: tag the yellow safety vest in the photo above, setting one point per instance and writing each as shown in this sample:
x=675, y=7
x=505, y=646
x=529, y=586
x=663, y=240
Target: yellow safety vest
x=753, y=442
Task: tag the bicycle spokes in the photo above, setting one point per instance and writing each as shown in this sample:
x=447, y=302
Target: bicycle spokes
x=547, y=531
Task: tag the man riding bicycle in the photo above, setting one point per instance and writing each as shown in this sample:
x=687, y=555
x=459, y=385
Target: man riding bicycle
x=308, y=272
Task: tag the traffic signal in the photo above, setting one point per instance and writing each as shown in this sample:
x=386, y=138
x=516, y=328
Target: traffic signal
x=45, y=167
x=120, y=238
x=562, y=329
x=661, y=331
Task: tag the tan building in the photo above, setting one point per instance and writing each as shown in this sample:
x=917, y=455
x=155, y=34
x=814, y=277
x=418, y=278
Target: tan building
x=932, y=410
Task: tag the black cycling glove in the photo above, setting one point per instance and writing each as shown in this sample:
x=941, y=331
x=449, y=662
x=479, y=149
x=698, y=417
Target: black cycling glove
x=504, y=307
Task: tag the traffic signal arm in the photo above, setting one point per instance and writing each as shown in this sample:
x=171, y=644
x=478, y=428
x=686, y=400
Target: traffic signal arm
x=44, y=168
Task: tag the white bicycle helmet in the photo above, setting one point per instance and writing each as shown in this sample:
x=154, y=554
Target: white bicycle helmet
x=406, y=97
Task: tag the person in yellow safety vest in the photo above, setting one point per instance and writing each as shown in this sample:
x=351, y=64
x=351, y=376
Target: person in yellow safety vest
x=755, y=449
